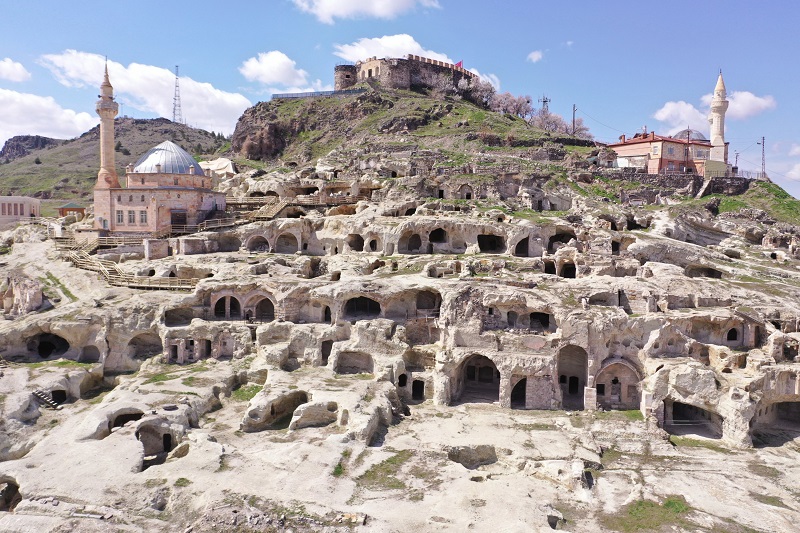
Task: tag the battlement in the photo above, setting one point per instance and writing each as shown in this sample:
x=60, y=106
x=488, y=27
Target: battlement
x=398, y=73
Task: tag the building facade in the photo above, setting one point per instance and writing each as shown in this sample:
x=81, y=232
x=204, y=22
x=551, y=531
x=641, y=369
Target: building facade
x=166, y=187
x=16, y=208
x=688, y=151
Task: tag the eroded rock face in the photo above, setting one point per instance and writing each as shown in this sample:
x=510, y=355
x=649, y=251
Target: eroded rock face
x=21, y=295
x=471, y=457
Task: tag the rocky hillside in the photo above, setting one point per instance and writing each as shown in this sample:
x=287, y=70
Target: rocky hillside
x=66, y=169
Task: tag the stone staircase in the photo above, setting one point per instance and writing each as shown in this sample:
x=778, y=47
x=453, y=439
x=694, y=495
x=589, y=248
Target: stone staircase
x=45, y=399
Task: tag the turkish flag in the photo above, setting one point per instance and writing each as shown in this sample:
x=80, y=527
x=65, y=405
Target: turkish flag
x=460, y=64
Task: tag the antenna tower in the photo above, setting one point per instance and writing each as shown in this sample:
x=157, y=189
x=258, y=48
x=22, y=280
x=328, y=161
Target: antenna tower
x=544, y=100
x=177, y=116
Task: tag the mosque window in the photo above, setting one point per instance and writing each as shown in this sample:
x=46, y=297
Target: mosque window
x=143, y=217
x=142, y=181
x=120, y=217
x=143, y=198
x=119, y=198
x=130, y=198
x=131, y=217
x=175, y=181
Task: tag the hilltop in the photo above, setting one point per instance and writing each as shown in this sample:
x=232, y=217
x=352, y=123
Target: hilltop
x=68, y=168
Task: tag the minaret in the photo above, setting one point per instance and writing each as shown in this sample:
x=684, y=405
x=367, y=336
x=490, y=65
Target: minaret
x=107, y=108
x=716, y=118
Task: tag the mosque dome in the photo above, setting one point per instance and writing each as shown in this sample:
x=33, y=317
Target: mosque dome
x=172, y=158
x=693, y=135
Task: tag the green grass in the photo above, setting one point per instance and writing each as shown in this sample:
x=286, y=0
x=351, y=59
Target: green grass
x=246, y=393
x=383, y=476
x=64, y=290
x=182, y=482
x=688, y=442
x=773, y=501
x=645, y=515
x=338, y=470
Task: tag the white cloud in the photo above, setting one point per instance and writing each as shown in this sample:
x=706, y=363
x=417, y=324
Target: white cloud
x=794, y=150
x=150, y=89
x=569, y=43
x=328, y=10
x=679, y=115
x=794, y=172
x=399, y=45
x=535, y=56
x=491, y=78
x=743, y=105
x=30, y=114
x=13, y=71
x=273, y=67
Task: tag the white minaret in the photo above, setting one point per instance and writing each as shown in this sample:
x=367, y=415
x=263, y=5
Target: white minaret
x=107, y=108
x=716, y=118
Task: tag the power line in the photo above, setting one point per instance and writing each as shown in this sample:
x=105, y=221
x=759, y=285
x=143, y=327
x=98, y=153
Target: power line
x=594, y=119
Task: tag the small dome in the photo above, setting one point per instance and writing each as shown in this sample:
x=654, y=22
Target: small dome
x=693, y=135
x=172, y=158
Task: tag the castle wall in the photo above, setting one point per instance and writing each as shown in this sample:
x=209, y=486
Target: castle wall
x=398, y=73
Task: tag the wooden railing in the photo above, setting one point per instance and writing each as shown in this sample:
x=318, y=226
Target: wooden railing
x=114, y=276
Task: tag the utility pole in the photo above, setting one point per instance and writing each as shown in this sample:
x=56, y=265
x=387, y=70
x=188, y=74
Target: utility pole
x=544, y=100
x=177, y=116
x=574, y=108
x=763, y=159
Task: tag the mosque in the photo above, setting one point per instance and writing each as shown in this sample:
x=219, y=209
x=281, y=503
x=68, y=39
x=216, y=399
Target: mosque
x=688, y=151
x=166, y=187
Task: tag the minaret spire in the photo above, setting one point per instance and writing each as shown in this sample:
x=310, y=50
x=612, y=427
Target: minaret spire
x=716, y=119
x=107, y=109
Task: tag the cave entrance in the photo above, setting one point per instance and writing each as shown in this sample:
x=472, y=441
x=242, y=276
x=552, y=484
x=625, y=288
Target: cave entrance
x=684, y=419
x=59, y=396
x=48, y=345
x=518, y=394
x=521, y=249
x=491, y=244
x=418, y=390
x=572, y=362
x=558, y=240
x=480, y=381
x=539, y=322
x=568, y=270
x=123, y=418
x=326, y=348
x=9, y=497
x=362, y=308
x=354, y=363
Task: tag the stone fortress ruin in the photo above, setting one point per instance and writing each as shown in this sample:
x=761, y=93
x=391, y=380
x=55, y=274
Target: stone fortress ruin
x=383, y=284
x=398, y=73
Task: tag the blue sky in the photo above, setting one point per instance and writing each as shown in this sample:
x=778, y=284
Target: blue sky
x=625, y=64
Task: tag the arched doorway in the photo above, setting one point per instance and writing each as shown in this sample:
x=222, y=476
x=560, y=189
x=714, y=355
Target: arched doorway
x=326, y=315
x=145, y=345
x=286, y=244
x=617, y=386
x=572, y=363
x=48, y=345
x=518, y=394
x=438, y=235
x=258, y=244
x=265, y=310
x=355, y=242
x=479, y=381
x=362, y=308
x=521, y=249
